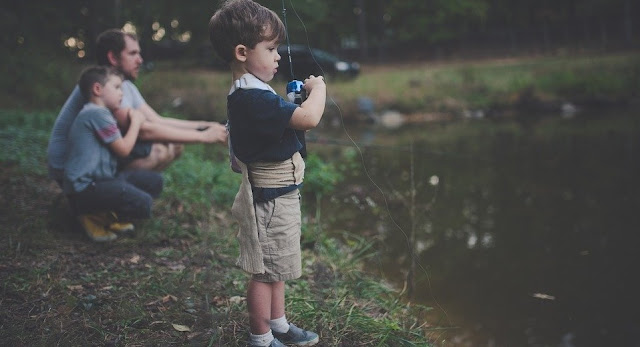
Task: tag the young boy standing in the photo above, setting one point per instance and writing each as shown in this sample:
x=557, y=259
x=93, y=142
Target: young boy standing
x=263, y=138
x=90, y=180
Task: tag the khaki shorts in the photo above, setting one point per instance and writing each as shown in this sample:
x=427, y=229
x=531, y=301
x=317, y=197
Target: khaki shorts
x=279, y=234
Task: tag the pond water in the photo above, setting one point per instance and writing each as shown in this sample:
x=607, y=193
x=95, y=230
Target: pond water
x=527, y=233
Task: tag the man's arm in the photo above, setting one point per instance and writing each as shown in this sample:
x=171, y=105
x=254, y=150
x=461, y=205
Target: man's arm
x=153, y=131
x=153, y=116
x=161, y=132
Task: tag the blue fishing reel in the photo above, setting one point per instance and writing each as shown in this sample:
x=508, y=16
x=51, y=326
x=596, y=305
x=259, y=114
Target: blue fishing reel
x=296, y=92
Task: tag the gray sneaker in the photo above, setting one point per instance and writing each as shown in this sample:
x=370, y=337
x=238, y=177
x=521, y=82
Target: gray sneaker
x=297, y=336
x=274, y=343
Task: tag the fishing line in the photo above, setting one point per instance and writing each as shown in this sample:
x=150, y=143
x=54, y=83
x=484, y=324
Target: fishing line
x=366, y=171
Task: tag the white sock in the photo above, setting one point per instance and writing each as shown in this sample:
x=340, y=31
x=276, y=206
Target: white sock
x=261, y=340
x=279, y=325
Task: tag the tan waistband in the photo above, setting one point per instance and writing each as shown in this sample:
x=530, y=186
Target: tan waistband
x=277, y=174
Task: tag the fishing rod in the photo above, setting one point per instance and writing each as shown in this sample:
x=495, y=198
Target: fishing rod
x=286, y=31
x=295, y=89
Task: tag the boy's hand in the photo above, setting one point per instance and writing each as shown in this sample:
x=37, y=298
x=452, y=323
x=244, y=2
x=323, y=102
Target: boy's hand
x=135, y=117
x=313, y=82
x=308, y=115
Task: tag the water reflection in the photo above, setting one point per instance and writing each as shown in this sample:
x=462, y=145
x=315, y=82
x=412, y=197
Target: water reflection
x=529, y=236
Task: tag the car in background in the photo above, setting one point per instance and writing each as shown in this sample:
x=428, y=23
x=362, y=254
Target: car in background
x=312, y=61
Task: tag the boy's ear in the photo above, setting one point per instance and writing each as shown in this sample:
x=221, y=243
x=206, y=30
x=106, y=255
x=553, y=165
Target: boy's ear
x=240, y=53
x=113, y=59
x=96, y=89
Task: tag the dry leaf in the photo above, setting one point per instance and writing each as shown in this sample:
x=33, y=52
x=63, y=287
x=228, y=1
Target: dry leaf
x=78, y=287
x=543, y=296
x=219, y=301
x=179, y=327
x=194, y=335
x=176, y=267
x=135, y=259
x=236, y=299
x=169, y=297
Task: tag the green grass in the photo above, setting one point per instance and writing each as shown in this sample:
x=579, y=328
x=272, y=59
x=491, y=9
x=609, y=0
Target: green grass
x=463, y=85
x=58, y=288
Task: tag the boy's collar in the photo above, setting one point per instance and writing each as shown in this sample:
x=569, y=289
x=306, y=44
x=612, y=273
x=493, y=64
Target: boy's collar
x=249, y=81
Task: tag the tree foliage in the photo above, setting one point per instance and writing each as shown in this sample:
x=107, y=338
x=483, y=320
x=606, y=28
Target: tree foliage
x=40, y=27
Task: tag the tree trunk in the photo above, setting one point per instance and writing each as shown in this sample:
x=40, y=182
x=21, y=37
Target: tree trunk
x=545, y=35
x=362, y=30
x=627, y=23
x=382, y=32
x=117, y=10
x=587, y=33
x=603, y=34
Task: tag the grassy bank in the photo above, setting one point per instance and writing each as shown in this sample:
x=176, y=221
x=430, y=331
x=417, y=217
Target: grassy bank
x=174, y=281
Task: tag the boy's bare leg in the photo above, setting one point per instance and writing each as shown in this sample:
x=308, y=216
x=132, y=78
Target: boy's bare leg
x=259, y=296
x=161, y=156
x=277, y=300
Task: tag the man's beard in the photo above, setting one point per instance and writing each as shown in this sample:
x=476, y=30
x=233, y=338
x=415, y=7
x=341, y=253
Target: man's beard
x=127, y=75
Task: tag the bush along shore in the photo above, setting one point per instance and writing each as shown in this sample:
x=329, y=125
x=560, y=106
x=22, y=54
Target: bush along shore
x=173, y=282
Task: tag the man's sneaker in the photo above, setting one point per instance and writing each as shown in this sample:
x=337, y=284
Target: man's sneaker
x=118, y=226
x=93, y=225
x=297, y=336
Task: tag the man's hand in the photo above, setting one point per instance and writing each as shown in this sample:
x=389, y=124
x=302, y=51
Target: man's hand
x=205, y=124
x=215, y=133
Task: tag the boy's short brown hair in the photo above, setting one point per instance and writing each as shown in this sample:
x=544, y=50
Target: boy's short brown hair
x=243, y=22
x=92, y=75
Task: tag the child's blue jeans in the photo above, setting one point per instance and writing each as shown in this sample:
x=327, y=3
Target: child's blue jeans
x=129, y=195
